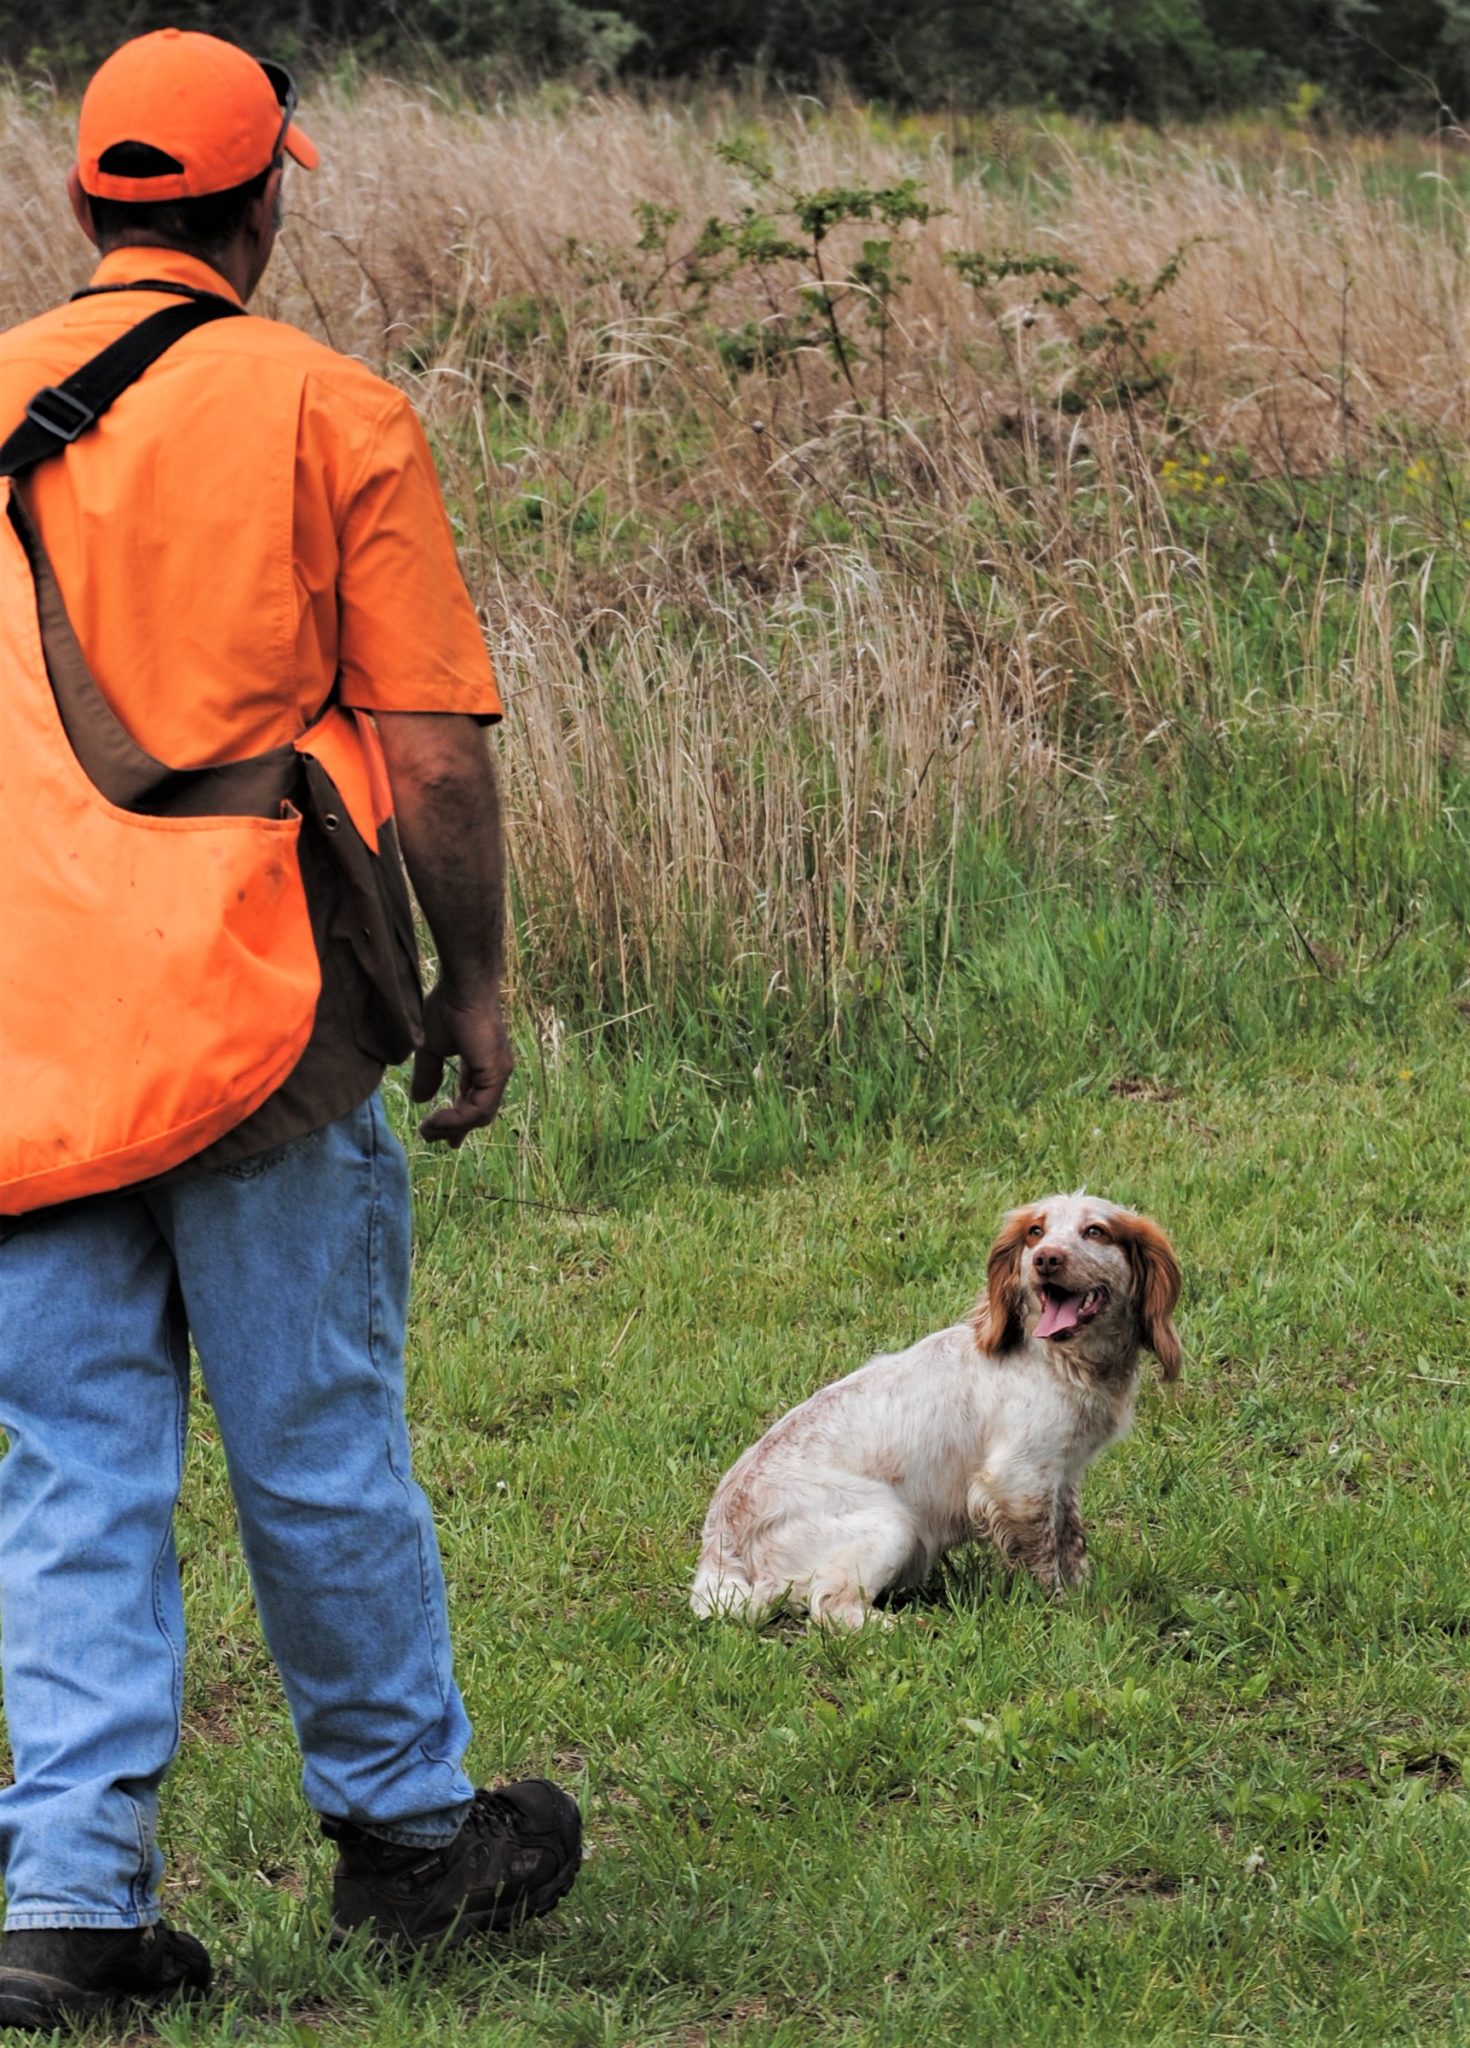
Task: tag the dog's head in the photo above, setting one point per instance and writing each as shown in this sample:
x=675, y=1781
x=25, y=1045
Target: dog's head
x=1085, y=1274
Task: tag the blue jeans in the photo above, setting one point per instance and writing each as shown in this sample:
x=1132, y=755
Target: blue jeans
x=290, y=1272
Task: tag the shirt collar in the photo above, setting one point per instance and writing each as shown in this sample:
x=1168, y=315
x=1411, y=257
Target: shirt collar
x=171, y=266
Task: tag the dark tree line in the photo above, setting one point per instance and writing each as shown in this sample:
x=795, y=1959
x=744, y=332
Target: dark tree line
x=1372, y=59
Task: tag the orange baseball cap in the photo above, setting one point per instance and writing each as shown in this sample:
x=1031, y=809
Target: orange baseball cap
x=178, y=115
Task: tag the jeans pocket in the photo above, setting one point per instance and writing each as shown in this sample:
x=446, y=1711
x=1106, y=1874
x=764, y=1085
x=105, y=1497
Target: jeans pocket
x=260, y=1163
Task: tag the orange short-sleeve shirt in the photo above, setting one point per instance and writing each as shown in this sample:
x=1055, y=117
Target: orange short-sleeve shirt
x=255, y=521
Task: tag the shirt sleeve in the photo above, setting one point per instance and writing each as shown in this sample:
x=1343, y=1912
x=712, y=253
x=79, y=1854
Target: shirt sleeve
x=408, y=637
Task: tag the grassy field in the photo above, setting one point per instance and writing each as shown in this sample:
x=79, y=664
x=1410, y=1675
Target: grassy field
x=1217, y=1796
x=987, y=713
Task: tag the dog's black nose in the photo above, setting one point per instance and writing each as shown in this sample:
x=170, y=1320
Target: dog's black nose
x=1046, y=1261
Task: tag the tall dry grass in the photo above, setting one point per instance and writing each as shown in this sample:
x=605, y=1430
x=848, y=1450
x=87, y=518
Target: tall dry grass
x=1305, y=275
x=778, y=642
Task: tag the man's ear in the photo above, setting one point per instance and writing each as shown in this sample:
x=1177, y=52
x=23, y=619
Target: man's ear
x=81, y=206
x=258, y=236
x=265, y=211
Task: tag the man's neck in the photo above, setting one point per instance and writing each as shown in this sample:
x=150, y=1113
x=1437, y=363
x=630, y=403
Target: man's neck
x=233, y=262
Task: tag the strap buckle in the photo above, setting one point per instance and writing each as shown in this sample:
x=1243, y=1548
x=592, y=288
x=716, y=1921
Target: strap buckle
x=75, y=418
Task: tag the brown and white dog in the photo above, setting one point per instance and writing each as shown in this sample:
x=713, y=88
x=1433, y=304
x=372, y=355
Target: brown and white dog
x=983, y=1429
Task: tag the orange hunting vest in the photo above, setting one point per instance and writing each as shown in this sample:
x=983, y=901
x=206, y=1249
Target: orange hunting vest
x=175, y=945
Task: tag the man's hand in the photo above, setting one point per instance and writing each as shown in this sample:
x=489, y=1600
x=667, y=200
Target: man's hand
x=476, y=1033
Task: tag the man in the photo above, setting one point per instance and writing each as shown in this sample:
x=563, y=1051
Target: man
x=253, y=525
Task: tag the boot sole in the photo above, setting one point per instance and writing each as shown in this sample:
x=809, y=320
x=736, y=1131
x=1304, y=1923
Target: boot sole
x=492, y=1921
x=41, y=2004
x=533, y=1908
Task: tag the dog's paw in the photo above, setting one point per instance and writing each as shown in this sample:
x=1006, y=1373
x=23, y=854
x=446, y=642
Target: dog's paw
x=850, y=1614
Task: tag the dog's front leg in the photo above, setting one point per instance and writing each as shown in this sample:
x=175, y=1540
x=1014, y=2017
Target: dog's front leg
x=1073, y=1563
x=1040, y=1533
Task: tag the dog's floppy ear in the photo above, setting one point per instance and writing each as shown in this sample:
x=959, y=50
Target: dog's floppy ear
x=997, y=1321
x=1156, y=1283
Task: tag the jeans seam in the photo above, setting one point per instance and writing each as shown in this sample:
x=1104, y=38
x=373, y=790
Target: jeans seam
x=56, y=1916
x=410, y=1838
x=141, y=1885
x=257, y=1164
x=426, y=1605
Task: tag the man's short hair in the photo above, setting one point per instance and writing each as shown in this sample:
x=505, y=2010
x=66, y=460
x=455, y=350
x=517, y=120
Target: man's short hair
x=201, y=227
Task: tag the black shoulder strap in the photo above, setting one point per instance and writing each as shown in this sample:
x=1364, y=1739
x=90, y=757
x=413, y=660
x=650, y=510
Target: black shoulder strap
x=60, y=413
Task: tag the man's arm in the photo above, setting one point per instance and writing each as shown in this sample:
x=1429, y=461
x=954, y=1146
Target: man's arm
x=447, y=805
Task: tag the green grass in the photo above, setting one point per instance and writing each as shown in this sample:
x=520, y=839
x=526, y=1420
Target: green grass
x=1220, y=1795
x=1213, y=961
x=1243, y=909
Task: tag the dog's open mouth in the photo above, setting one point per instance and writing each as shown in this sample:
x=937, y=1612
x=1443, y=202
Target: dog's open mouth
x=1062, y=1313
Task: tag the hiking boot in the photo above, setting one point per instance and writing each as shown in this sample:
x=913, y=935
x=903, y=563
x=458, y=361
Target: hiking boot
x=516, y=1855
x=61, y=1976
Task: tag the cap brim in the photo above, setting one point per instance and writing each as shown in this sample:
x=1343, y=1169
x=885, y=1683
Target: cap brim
x=300, y=148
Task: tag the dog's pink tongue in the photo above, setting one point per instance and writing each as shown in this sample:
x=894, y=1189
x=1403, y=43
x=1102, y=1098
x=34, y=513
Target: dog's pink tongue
x=1060, y=1313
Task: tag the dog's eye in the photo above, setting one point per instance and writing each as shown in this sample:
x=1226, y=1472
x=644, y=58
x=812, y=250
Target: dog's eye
x=1035, y=1230
x=1096, y=1230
